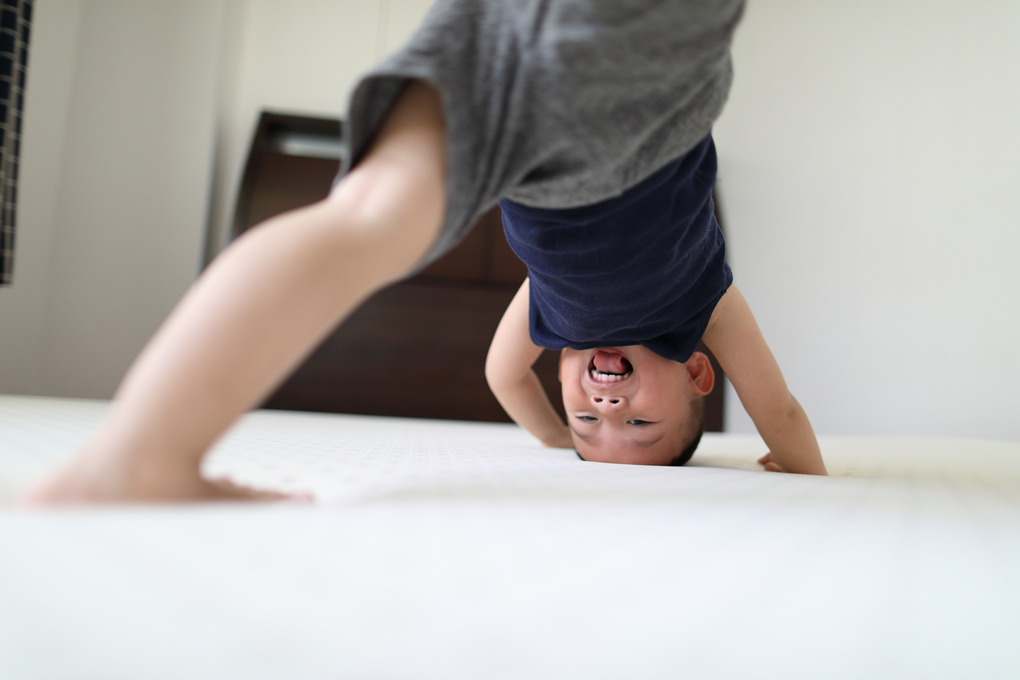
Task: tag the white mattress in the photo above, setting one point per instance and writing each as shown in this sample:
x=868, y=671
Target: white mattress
x=463, y=550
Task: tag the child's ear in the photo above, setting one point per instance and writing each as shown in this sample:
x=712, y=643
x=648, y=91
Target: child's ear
x=559, y=369
x=699, y=369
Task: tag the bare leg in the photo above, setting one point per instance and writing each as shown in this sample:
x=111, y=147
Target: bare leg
x=257, y=312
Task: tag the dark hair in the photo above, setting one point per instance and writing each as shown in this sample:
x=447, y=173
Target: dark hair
x=696, y=425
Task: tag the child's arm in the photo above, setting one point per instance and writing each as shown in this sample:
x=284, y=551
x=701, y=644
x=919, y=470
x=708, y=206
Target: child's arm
x=734, y=338
x=512, y=380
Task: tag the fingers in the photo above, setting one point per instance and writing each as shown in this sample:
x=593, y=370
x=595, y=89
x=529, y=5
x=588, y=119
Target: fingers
x=770, y=463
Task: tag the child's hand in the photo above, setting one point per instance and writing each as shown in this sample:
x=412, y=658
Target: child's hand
x=770, y=463
x=563, y=440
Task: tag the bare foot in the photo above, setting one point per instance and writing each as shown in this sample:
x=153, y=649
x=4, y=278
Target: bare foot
x=87, y=479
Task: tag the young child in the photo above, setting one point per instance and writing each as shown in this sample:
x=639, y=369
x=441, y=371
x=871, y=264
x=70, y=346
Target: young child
x=552, y=105
x=626, y=288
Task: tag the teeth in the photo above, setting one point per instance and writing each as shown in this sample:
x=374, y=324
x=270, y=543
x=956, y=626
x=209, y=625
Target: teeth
x=599, y=376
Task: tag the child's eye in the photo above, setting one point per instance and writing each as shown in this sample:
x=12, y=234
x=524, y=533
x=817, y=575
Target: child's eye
x=638, y=422
x=586, y=419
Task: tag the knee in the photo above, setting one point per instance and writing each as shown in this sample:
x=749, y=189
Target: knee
x=391, y=223
x=393, y=203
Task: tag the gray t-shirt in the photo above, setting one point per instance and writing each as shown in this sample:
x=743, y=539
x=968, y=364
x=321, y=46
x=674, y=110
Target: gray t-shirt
x=556, y=103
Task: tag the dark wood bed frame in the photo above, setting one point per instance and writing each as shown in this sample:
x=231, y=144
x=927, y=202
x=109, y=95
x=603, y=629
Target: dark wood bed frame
x=417, y=348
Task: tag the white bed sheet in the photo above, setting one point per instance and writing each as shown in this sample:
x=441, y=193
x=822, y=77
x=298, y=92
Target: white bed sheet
x=463, y=550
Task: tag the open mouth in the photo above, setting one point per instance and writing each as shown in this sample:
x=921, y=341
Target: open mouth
x=607, y=367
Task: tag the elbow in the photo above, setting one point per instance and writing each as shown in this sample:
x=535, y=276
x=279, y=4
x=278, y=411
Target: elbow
x=493, y=376
x=501, y=380
x=491, y=379
x=793, y=411
x=784, y=414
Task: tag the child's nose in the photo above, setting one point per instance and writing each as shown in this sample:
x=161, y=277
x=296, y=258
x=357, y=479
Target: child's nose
x=607, y=403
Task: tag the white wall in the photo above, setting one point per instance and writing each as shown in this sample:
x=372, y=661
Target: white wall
x=133, y=183
x=869, y=175
x=138, y=117
x=116, y=157
x=23, y=305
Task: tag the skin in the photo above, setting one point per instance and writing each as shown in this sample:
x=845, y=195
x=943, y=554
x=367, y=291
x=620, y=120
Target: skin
x=640, y=419
x=656, y=392
x=255, y=313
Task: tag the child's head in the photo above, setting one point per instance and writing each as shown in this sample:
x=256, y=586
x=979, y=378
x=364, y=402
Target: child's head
x=630, y=405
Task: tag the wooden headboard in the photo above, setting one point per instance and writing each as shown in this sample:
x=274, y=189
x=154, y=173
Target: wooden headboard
x=417, y=348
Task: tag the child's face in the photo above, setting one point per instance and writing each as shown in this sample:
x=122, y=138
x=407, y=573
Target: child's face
x=626, y=404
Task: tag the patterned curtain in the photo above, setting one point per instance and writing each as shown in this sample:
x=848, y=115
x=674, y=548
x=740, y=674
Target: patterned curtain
x=15, y=22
